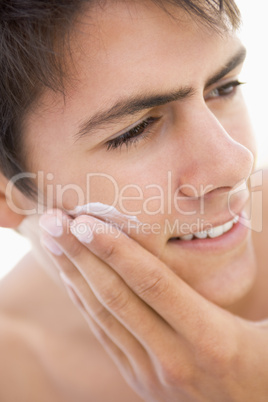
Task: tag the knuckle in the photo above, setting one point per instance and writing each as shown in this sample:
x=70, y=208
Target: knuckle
x=102, y=316
x=218, y=355
x=110, y=251
x=154, y=285
x=223, y=358
x=114, y=298
x=173, y=373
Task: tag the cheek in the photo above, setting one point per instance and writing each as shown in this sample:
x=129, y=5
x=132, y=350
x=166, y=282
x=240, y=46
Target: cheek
x=221, y=279
x=142, y=191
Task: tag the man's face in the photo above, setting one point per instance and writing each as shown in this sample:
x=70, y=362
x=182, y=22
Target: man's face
x=154, y=124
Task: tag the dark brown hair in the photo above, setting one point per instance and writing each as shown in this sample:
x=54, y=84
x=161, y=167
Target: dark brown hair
x=33, y=38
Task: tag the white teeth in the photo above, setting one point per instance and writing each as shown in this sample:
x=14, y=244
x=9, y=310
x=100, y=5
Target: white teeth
x=213, y=232
x=187, y=237
x=228, y=226
x=201, y=235
x=236, y=219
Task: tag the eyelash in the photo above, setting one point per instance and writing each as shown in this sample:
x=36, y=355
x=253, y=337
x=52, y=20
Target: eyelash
x=133, y=135
x=230, y=85
x=141, y=130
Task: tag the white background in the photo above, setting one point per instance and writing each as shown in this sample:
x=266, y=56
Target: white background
x=254, y=34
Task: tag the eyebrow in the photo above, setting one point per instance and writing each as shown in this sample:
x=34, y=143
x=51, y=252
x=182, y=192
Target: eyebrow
x=235, y=61
x=129, y=107
x=133, y=105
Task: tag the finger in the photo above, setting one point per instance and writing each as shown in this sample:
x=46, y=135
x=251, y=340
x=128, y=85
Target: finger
x=150, y=279
x=112, y=293
x=120, y=343
x=110, y=347
x=135, y=371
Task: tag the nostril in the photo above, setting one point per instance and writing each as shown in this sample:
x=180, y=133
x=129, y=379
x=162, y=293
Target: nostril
x=196, y=191
x=188, y=190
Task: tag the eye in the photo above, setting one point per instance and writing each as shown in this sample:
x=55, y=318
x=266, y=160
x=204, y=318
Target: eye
x=133, y=135
x=225, y=91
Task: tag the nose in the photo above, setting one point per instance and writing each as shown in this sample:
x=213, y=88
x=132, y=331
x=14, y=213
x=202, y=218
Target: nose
x=214, y=159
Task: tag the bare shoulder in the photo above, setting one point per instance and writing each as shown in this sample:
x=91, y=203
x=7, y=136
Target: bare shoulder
x=43, y=338
x=21, y=377
x=22, y=370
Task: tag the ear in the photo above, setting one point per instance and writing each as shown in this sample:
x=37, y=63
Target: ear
x=8, y=217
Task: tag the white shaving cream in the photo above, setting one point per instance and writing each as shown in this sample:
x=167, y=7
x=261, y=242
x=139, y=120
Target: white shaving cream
x=105, y=212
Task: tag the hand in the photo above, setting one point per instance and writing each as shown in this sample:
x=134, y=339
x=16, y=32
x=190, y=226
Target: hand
x=169, y=343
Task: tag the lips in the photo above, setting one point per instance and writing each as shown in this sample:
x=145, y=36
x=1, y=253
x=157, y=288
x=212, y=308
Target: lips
x=211, y=233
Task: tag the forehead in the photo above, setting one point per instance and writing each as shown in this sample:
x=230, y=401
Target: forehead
x=130, y=48
x=130, y=45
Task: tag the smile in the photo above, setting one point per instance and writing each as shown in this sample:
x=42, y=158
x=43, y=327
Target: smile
x=211, y=233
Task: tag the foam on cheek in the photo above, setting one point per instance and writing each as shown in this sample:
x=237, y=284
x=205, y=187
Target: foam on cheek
x=105, y=212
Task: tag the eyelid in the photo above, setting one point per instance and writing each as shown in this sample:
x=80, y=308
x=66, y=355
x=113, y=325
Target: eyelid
x=129, y=137
x=222, y=83
x=230, y=76
x=148, y=115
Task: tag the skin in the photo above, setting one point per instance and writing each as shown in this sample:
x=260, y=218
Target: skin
x=177, y=145
x=206, y=142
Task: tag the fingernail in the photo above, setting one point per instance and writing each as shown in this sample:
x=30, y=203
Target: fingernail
x=82, y=231
x=51, y=224
x=51, y=245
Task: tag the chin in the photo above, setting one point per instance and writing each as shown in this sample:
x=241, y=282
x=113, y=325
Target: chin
x=232, y=281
